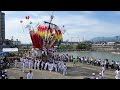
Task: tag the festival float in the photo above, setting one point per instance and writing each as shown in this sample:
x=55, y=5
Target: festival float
x=44, y=36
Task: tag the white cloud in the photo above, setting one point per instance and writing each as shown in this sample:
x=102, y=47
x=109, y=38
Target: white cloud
x=14, y=28
x=87, y=12
x=35, y=13
x=76, y=25
x=116, y=12
x=75, y=20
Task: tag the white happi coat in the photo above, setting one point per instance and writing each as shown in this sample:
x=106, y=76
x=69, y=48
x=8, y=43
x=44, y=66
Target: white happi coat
x=21, y=59
x=64, y=70
x=29, y=63
x=35, y=64
x=103, y=70
x=62, y=65
x=46, y=64
x=81, y=59
x=50, y=66
x=117, y=74
x=38, y=64
x=24, y=60
x=59, y=66
x=55, y=66
x=30, y=76
x=23, y=66
x=42, y=64
x=15, y=63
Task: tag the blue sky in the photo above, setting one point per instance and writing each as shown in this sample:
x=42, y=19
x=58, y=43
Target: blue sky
x=78, y=24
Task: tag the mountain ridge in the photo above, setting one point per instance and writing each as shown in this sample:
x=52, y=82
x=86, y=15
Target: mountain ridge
x=106, y=39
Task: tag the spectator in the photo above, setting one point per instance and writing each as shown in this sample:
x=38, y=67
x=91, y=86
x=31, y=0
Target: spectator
x=93, y=76
x=30, y=75
x=21, y=77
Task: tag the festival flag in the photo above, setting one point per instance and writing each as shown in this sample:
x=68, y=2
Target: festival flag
x=53, y=41
x=37, y=41
x=51, y=30
x=59, y=37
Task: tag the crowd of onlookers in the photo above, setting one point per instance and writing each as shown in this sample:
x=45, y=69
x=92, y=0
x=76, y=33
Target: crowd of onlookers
x=5, y=63
x=92, y=61
x=3, y=74
x=99, y=62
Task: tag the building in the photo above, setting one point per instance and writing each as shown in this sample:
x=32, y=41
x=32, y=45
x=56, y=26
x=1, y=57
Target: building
x=111, y=43
x=108, y=46
x=16, y=42
x=69, y=43
x=2, y=28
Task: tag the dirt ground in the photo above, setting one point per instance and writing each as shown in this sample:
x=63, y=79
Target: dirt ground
x=78, y=71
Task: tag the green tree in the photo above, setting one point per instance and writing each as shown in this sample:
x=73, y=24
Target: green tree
x=86, y=46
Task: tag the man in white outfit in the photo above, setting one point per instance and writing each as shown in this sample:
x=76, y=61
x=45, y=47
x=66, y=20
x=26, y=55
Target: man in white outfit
x=59, y=66
x=117, y=72
x=38, y=64
x=30, y=75
x=31, y=65
x=64, y=69
x=55, y=66
x=50, y=66
x=93, y=76
x=23, y=66
x=62, y=66
x=15, y=63
x=82, y=59
x=29, y=62
x=24, y=60
x=46, y=64
x=35, y=64
x=42, y=65
x=117, y=63
x=21, y=61
x=100, y=76
x=103, y=70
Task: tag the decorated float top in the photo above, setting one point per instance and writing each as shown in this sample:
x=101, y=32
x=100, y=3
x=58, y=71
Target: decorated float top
x=45, y=35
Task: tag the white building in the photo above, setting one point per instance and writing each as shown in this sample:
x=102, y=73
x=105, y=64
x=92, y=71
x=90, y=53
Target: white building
x=110, y=43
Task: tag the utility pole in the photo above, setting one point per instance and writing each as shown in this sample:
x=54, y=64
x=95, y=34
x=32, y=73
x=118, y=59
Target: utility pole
x=71, y=40
x=83, y=38
x=78, y=39
x=12, y=40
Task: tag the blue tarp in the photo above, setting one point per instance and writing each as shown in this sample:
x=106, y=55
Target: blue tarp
x=4, y=53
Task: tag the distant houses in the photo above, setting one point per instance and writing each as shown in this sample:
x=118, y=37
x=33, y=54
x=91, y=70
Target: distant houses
x=106, y=46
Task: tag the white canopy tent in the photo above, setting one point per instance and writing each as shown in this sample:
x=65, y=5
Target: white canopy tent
x=10, y=49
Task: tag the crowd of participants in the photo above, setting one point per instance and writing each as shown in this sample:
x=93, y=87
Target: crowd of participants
x=55, y=63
